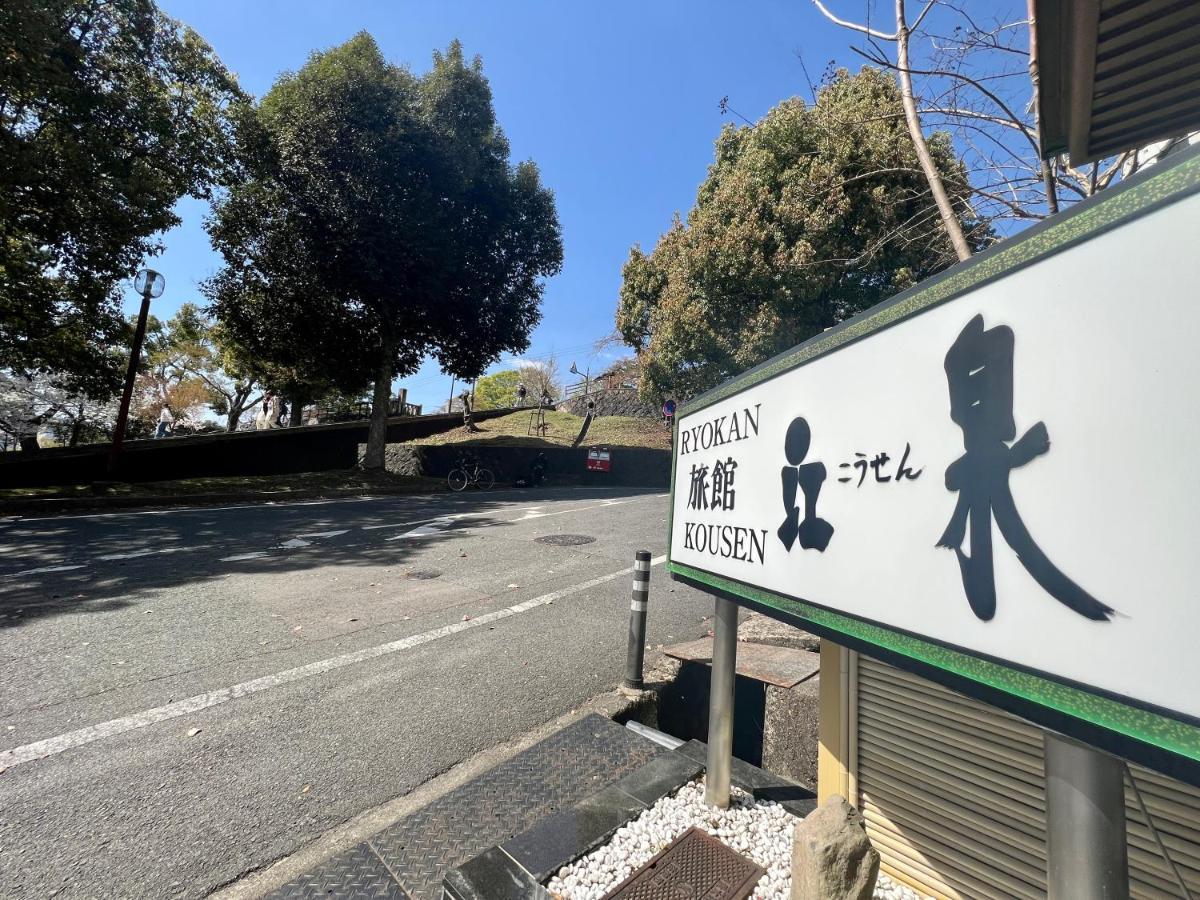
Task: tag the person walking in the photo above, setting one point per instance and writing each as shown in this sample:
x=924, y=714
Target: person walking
x=165, y=421
x=261, y=421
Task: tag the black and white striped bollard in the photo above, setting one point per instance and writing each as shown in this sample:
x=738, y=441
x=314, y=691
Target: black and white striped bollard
x=637, y=620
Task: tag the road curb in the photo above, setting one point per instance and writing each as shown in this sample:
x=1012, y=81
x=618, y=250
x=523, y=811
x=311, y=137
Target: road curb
x=55, y=505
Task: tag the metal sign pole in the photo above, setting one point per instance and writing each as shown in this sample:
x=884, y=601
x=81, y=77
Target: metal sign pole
x=1086, y=853
x=720, y=705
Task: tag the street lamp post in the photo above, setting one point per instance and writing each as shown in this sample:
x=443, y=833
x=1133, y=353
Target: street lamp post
x=150, y=285
x=587, y=379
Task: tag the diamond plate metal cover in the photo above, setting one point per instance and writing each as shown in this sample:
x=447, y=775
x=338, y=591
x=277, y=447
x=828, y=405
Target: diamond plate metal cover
x=554, y=774
x=694, y=865
x=357, y=874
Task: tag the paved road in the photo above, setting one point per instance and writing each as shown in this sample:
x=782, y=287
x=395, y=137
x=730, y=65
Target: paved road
x=333, y=656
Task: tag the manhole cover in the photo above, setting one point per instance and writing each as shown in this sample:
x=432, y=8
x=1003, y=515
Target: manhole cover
x=693, y=865
x=423, y=574
x=565, y=540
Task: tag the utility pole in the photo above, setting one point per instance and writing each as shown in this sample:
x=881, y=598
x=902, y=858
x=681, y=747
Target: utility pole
x=150, y=285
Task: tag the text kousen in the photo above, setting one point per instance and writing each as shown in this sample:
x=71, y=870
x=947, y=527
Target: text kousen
x=726, y=541
x=715, y=432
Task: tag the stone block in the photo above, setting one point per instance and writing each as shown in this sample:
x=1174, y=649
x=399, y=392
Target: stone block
x=790, y=736
x=762, y=629
x=832, y=856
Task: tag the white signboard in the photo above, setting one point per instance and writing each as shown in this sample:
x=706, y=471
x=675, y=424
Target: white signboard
x=992, y=476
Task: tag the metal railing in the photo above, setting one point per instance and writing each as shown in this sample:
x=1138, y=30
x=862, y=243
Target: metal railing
x=361, y=410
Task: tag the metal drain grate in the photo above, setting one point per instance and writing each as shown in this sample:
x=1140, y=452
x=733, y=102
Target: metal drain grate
x=423, y=574
x=566, y=540
x=694, y=865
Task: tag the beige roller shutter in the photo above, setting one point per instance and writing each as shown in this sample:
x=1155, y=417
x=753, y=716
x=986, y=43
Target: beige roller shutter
x=953, y=795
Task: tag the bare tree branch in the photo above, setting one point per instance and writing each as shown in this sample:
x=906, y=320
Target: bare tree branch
x=854, y=26
x=971, y=114
x=1106, y=178
x=921, y=16
x=973, y=82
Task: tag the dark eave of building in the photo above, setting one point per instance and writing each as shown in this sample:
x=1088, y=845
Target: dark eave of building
x=1114, y=75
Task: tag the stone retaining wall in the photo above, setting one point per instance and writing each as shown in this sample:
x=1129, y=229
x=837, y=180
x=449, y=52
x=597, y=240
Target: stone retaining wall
x=612, y=402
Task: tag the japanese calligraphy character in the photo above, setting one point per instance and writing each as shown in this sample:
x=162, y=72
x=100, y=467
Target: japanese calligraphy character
x=881, y=460
x=979, y=370
x=860, y=464
x=813, y=532
x=905, y=471
x=722, y=483
x=698, y=497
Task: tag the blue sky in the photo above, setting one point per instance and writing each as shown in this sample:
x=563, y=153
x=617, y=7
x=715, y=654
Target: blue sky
x=616, y=102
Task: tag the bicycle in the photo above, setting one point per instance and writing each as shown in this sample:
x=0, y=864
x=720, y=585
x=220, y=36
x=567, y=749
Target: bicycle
x=470, y=473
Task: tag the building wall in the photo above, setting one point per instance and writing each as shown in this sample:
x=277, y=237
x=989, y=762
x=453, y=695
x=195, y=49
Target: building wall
x=953, y=791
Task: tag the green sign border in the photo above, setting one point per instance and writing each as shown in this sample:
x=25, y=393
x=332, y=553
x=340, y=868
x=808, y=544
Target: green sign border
x=1119, y=725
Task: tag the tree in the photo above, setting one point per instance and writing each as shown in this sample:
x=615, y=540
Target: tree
x=109, y=113
x=541, y=377
x=970, y=71
x=901, y=37
x=498, y=390
x=806, y=218
x=200, y=350
x=166, y=373
x=236, y=388
x=380, y=221
x=31, y=404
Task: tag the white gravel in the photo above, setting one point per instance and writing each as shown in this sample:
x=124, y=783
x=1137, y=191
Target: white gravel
x=759, y=830
x=886, y=889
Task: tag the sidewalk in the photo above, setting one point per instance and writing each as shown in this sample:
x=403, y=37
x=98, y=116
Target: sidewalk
x=410, y=858
x=504, y=832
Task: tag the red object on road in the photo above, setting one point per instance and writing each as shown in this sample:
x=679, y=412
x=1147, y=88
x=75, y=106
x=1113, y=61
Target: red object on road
x=599, y=459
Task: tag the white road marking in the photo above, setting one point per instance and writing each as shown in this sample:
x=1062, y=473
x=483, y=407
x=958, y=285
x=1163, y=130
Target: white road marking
x=324, y=534
x=42, y=569
x=295, y=544
x=393, y=525
x=258, y=554
x=563, y=512
x=133, y=554
x=433, y=526
x=68, y=741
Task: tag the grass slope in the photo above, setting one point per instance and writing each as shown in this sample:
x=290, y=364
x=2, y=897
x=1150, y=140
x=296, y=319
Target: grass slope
x=562, y=428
